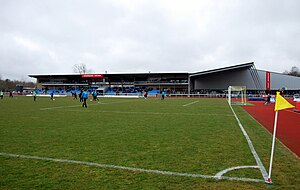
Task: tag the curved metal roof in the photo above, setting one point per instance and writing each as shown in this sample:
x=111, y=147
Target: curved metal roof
x=245, y=65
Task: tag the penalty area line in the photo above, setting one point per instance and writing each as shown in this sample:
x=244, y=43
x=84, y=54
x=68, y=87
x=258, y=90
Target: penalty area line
x=129, y=168
x=62, y=107
x=190, y=103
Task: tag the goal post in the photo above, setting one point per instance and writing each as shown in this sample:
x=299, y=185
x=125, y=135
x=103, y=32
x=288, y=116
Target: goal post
x=237, y=95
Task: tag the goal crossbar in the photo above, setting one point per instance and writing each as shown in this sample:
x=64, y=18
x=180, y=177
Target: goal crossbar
x=237, y=95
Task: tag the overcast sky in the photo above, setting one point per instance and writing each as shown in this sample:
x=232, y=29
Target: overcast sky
x=50, y=36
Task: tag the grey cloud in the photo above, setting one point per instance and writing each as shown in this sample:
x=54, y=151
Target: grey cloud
x=143, y=36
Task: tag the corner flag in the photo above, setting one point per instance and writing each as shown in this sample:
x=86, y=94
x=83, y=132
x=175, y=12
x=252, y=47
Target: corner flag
x=282, y=103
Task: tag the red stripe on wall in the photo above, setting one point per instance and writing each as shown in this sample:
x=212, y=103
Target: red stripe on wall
x=268, y=80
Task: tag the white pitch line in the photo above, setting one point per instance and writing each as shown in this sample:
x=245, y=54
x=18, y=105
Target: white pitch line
x=257, y=159
x=219, y=175
x=129, y=168
x=263, y=127
x=190, y=103
x=61, y=107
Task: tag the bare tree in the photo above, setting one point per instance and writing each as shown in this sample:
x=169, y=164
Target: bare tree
x=293, y=72
x=81, y=68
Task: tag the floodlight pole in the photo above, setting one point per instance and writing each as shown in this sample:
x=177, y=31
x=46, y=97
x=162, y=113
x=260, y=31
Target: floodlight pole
x=273, y=145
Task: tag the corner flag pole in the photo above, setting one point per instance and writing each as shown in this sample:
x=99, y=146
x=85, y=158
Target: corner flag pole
x=273, y=145
x=280, y=104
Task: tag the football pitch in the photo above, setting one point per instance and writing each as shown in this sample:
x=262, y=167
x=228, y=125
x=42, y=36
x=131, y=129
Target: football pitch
x=179, y=143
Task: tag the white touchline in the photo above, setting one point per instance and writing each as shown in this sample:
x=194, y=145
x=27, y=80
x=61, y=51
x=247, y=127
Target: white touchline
x=190, y=103
x=129, y=168
x=271, y=134
x=257, y=159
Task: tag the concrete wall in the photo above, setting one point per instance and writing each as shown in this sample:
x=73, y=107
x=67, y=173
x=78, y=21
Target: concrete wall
x=243, y=77
x=277, y=81
x=222, y=80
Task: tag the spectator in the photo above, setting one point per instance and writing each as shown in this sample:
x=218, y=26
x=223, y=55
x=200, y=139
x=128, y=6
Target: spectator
x=268, y=101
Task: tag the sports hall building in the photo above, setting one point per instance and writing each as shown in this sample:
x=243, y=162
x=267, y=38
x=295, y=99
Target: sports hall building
x=214, y=81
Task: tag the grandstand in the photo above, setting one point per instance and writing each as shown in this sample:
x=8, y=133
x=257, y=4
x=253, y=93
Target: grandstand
x=112, y=84
x=214, y=81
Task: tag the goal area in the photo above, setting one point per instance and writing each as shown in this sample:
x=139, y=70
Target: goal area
x=237, y=95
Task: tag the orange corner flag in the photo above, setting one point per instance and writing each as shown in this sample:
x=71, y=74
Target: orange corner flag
x=282, y=103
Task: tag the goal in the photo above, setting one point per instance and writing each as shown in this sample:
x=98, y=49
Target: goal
x=237, y=95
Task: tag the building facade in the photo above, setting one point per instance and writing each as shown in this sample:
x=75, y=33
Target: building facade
x=216, y=80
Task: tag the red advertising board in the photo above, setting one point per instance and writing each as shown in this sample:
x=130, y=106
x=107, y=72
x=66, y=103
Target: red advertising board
x=92, y=76
x=268, y=81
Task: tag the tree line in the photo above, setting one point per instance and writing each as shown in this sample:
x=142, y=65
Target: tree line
x=293, y=72
x=10, y=85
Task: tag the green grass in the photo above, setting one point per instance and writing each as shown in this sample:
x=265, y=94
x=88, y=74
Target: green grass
x=202, y=138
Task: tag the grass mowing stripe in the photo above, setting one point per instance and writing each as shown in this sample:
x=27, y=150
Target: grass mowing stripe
x=59, y=107
x=129, y=168
x=118, y=102
x=150, y=113
x=257, y=159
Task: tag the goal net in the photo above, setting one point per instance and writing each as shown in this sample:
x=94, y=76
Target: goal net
x=237, y=95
